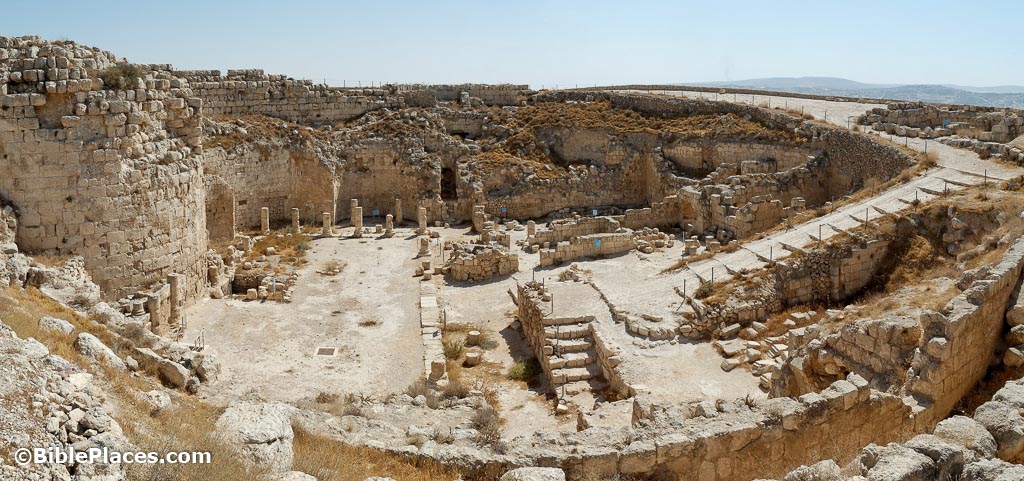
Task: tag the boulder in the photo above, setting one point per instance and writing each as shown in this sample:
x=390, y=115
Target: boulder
x=826, y=470
x=1012, y=394
x=172, y=373
x=54, y=324
x=1006, y=425
x=262, y=431
x=896, y=463
x=88, y=345
x=207, y=367
x=158, y=400
x=949, y=458
x=534, y=474
x=966, y=432
x=993, y=470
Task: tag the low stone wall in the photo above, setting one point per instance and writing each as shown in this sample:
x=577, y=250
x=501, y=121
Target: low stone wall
x=930, y=121
x=588, y=246
x=822, y=275
x=978, y=448
x=470, y=262
x=567, y=229
x=499, y=94
x=707, y=156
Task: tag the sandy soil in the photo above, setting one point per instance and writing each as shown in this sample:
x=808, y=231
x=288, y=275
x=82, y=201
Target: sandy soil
x=270, y=348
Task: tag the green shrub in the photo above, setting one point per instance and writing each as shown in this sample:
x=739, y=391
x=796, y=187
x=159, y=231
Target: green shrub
x=124, y=76
x=524, y=370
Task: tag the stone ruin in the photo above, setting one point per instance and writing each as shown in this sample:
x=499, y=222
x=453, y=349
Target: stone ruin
x=687, y=274
x=474, y=262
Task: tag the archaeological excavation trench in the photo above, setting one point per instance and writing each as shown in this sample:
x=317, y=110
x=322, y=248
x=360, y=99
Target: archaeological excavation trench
x=487, y=277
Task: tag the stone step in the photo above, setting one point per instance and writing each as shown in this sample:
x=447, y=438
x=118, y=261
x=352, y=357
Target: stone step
x=573, y=374
x=561, y=321
x=567, y=331
x=572, y=359
x=570, y=345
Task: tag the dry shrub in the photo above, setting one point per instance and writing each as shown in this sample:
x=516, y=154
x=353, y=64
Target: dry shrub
x=487, y=423
x=328, y=459
x=920, y=257
x=455, y=389
x=524, y=370
x=453, y=348
x=285, y=245
x=123, y=76
x=704, y=291
x=418, y=388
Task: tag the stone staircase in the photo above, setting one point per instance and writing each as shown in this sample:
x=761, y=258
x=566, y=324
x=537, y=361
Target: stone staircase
x=569, y=351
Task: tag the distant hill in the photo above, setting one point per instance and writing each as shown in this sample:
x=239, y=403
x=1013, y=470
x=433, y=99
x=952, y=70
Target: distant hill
x=1000, y=96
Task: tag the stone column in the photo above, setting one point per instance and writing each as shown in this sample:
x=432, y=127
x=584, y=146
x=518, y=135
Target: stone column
x=153, y=306
x=265, y=220
x=177, y=283
x=295, y=220
x=424, y=246
x=421, y=217
x=389, y=226
x=398, y=211
x=531, y=228
x=327, y=223
x=479, y=217
x=357, y=221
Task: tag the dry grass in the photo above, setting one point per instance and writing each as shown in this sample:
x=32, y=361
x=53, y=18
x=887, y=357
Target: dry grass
x=291, y=247
x=260, y=127
x=328, y=459
x=50, y=260
x=917, y=263
x=183, y=427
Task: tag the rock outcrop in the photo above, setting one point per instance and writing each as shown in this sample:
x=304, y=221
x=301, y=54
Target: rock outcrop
x=262, y=431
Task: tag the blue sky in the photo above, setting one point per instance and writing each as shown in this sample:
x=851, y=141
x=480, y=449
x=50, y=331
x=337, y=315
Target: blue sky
x=552, y=42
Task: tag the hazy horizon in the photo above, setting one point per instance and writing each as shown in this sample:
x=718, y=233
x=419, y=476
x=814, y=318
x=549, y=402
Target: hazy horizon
x=544, y=43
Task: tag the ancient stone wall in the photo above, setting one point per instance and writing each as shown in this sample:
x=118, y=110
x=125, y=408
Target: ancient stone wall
x=377, y=171
x=930, y=121
x=960, y=342
x=566, y=229
x=500, y=94
x=248, y=92
x=593, y=245
x=111, y=175
x=472, y=263
x=275, y=176
x=220, y=209
x=852, y=159
x=707, y=156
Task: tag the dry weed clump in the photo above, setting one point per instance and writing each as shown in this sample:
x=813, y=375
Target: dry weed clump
x=328, y=459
